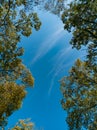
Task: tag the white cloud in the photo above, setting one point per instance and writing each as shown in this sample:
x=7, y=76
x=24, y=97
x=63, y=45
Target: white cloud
x=48, y=44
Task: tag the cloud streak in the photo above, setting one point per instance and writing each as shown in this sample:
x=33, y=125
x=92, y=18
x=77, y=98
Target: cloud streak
x=60, y=59
x=59, y=66
x=55, y=76
x=48, y=44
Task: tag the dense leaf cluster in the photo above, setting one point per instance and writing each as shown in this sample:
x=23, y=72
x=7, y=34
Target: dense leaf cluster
x=80, y=87
x=80, y=96
x=14, y=76
x=23, y=125
x=11, y=96
x=81, y=19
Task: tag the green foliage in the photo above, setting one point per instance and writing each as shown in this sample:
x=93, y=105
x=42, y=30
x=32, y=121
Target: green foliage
x=80, y=96
x=81, y=19
x=14, y=22
x=14, y=17
x=11, y=96
x=80, y=87
x=14, y=76
x=53, y=6
x=23, y=125
x=92, y=54
x=18, y=74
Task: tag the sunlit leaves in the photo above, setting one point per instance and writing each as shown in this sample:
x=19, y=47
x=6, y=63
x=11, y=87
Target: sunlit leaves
x=18, y=74
x=14, y=76
x=80, y=87
x=17, y=21
x=80, y=96
x=23, y=125
x=11, y=96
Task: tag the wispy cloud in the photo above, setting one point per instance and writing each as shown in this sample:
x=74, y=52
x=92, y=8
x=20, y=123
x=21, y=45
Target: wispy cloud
x=62, y=68
x=59, y=66
x=60, y=59
x=51, y=86
x=48, y=44
x=61, y=63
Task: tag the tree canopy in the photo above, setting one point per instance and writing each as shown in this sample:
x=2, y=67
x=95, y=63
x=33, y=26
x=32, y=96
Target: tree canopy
x=24, y=125
x=53, y=6
x=11, y=96
x=14, y=22
x=80, y=96
x=79, y=88
x=80, y=18
x=14, y=76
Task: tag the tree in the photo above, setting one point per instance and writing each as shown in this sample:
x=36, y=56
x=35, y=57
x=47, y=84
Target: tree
x=80, y=96
x=79, y=89
x=14, y=76
x=14, y=22
x=12, y=90
x=11, y=96
x=54, y=6
x=23, y=125
x=80, y=18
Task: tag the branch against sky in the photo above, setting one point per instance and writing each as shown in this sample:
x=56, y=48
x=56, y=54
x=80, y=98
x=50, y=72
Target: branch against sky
x=23, y=125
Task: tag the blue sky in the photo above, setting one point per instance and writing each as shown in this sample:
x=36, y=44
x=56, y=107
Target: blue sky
x=49, y=57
